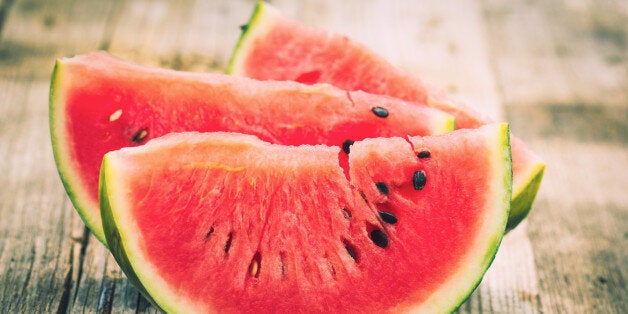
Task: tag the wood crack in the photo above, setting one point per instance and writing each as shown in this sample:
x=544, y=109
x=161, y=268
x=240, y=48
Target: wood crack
x=105, y=302
x=64, y=302
x=30, y=271
x=84, y=243
x=4, y=12
x=110, y=26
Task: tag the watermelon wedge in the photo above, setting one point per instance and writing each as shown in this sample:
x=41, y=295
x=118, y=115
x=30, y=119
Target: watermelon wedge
x=225, y=222
x=99, y=103
x=273, y=46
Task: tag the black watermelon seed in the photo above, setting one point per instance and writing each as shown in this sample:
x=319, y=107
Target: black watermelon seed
x=346, y=213
x=423, y=154
x=228, y=244
x=388, y=217
x=364, y=197
x=209, y=233
x=382, y=187
x=140, y=135
x=346, y=146
x=380, y=112
x=419, y=179
x=351, y=251
x=282, y=261
x=379, y=238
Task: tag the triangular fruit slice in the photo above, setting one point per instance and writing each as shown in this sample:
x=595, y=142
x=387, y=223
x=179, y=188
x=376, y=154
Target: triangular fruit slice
x=276, y=47
x=99, y=103
x=224, y=222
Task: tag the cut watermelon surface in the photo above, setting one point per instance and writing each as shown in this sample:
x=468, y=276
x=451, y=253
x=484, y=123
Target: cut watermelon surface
x=276, y=47
x=99, y=103
x=226, y=222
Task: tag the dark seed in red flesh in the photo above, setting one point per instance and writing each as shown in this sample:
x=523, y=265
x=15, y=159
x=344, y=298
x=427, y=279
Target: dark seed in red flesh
x=346, y=146
x=364, y=197
x=423, y=154
x=419, y=179
x=351, y=251
x=209, y=233
x=379, y=238
x=346, y=213
x=140, y=136
x=228, y=244
x=380, y=112
x=382, y=187
x=388, y=217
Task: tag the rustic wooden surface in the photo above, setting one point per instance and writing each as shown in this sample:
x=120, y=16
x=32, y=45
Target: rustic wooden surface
x=557, y=70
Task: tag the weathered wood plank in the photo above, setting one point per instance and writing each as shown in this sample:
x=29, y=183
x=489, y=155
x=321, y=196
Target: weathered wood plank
x=41, y=248
x=183, y=35
x=561, y=69
x=5, y=7
x=37, y=32
x=562, y=52
x=579, y=230
x=36, y=244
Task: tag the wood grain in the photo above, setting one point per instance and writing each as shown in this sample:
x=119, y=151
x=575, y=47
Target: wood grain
x=562, y=73
x=556, y=70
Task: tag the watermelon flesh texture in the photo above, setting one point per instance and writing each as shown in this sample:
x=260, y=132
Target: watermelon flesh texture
x=278, y=48
x=99, y=103
x=224, y=222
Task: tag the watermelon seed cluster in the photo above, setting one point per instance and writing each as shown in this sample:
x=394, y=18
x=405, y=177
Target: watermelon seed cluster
x=419, y=179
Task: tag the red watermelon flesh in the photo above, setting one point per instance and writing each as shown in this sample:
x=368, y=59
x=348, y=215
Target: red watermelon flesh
x=224, y=222
x=99, y=103
x=276, y=47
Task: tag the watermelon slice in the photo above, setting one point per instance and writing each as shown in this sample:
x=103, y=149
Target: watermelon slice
x=225, y=222
x=273, y=46
x=99, y=103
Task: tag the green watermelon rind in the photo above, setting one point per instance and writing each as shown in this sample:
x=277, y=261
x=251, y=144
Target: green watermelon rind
x=113, y=236
x=118, y=242
x=522, y=199
x=256, y=18
x=58, y=133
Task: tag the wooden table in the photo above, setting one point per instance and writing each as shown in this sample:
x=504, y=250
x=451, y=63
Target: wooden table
x=557, y=70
